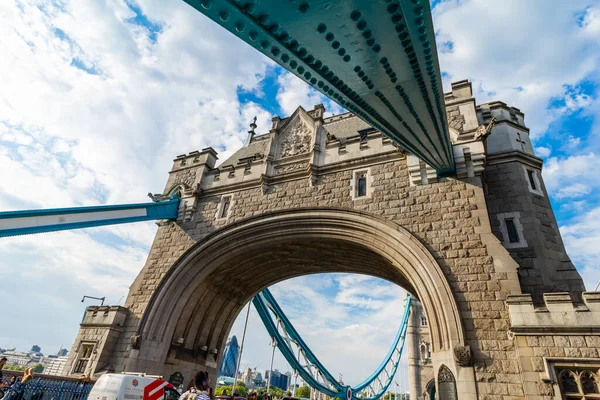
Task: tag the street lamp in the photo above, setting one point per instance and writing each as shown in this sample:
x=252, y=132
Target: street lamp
x=95, y=298
x=91, y=297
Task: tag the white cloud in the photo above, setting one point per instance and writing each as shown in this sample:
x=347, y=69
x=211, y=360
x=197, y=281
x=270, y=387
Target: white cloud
x=543, y=152
x=524, y=53
x=572, y=191
x=573, y=141
x=581, y=239
x=591, y=22
x=294, y=92
x=562, y=172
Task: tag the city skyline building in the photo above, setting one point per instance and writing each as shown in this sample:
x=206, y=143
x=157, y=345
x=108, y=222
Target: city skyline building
x=278, y=379
x=54, y=365
x=230, y=356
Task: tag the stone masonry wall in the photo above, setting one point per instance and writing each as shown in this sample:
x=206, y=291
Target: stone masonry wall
x=543, y=264
x=448, y=217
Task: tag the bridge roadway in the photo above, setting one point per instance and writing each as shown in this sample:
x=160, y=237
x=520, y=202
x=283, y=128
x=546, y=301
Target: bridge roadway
x=376, y=58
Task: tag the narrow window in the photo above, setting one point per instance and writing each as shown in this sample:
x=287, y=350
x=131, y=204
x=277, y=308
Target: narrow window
x=531, y=179
x=225, y=207
x=423, y=352
x=361, y=185
x=364, y=136
x=85, y=353
x=513, y=236
x=423, y=320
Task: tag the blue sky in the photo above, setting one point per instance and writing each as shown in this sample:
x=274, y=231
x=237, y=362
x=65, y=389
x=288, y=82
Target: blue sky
x=98, y=97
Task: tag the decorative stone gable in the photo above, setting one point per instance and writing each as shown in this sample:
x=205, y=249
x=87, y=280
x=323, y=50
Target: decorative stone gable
x=296, y=140
x=455, y=119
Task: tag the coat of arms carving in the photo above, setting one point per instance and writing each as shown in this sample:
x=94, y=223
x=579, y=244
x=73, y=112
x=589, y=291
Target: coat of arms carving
x=296, y=141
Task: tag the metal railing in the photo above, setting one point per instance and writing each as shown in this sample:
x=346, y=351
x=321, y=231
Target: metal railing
x=45, y=389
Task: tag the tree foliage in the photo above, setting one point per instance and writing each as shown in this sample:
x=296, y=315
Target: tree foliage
x=15, y=368
x=274, y=391
x=240, y=389
x=303, y=391
x=38, y=368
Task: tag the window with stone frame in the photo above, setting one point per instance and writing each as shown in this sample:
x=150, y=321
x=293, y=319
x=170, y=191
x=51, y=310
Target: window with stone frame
x=224, y=207
x=513, y=235
x=511, y=230
x=425, y=351
x=84, y=356
x=578, y=381
x=361, y=184
x=533, y=181
x=423, y=320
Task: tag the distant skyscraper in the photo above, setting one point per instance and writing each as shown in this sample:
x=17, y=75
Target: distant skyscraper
x=62, y=352
x=278, y=379
x=35, y=348
x=230, y=356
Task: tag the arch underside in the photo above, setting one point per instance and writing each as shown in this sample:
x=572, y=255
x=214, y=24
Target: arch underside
x=199, y=299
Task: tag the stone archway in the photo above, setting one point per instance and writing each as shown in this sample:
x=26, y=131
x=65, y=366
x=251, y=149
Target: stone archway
x=189, y=316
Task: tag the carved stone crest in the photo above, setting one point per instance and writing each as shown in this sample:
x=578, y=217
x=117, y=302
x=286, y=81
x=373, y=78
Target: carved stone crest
x=290, y=168
x=296, y=141
x=462, y=355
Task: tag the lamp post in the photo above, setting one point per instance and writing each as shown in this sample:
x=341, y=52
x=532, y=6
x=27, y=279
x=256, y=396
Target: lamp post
x=91, y=297
x=274, y=344
x=95, y=298
x=239, y=359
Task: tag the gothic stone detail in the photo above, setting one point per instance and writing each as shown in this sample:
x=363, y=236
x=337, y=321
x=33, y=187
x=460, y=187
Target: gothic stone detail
x=455, y=119
x=296, y=140
x=462, y=355
x=282, y=169
x=186, y=177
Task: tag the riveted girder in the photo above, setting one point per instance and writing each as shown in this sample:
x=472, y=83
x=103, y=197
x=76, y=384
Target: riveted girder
x=376, y=58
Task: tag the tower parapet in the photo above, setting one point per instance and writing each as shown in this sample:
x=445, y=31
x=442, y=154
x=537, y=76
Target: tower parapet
x=95, y=344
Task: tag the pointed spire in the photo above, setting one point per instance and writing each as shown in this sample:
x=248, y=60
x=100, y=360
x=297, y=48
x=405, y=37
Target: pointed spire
x=251, y=132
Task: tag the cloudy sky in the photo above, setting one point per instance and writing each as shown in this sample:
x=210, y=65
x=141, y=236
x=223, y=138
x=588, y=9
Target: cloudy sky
x=97, y=97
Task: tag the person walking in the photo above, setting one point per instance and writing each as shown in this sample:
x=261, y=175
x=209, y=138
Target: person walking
x=3, y=361
x=199, y=389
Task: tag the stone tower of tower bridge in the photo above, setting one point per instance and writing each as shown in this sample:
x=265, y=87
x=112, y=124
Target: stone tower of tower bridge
x=505, y=312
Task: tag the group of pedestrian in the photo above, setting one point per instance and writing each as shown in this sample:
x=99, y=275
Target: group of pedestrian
x=261, y=396
x=199, y=390
x=14, y=380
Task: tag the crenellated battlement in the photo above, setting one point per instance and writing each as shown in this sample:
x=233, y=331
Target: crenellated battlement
x=96, y=316
x=558, y=315
x=207, y=156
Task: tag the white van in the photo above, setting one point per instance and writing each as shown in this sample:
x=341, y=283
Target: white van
x=132, y=387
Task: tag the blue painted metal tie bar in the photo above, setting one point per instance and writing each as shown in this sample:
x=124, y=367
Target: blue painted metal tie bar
x=312, y=370
x=14, y=223
x=377, y=59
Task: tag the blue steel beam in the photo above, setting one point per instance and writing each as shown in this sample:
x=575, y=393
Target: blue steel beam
x=315, y=374
x=14, y=223
x=375, y=58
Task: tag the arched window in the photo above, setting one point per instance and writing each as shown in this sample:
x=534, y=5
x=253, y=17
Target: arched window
x=579, y=382
x=568, y=382
x=430, y=390
x=589, y=383
x=361, y=184
x=447, y=384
